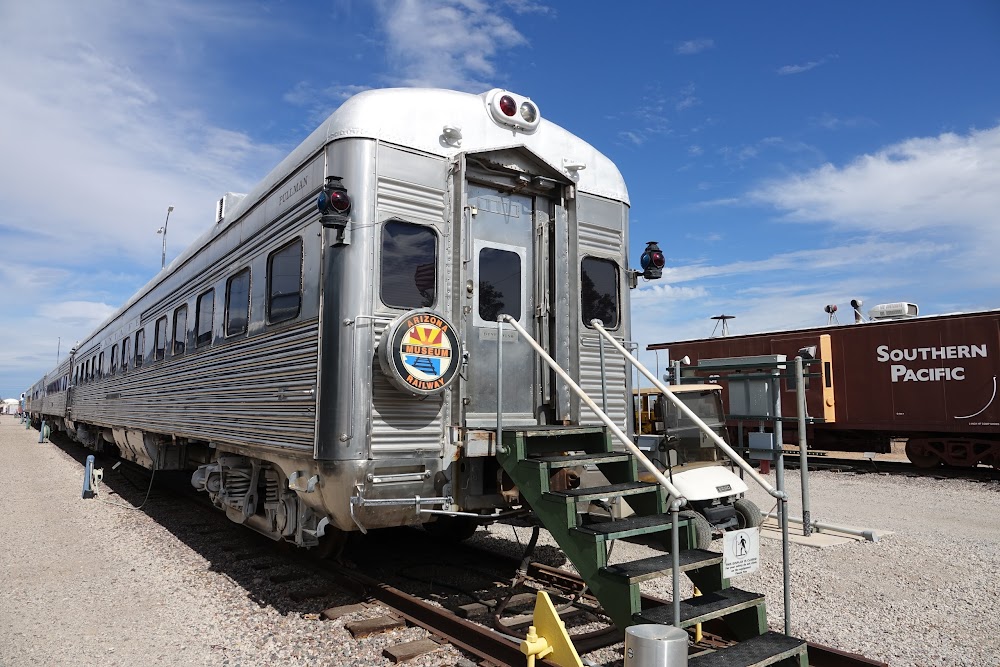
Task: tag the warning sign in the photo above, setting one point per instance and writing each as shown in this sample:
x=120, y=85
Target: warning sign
x=740, y=552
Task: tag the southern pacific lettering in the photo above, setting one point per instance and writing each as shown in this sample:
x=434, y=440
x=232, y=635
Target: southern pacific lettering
x=427, y=319
x=425, y=351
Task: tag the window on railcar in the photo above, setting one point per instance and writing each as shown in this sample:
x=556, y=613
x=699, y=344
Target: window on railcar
x=140, y=347
x=408, y=274
x=284, y=283
x=93, y=367
x=114, y=360
x=599, y=291
x=499, y=284
x=160, y=342
x=238, y=303
x=203, y=318
x=180, y=330
x=126, y=352
x=86, y=375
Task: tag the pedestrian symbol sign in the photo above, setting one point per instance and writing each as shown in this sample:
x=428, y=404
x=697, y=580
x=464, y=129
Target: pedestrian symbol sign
x=740, y=552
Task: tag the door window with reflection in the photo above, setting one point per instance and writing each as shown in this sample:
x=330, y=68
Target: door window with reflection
x=238, y=303
x=599, y=291
x=203, y=318
x=499, y=284
x=160, y=342
x=284, y=283
x=126, y=352
x=140, y=346
x=180, y=330
x=408, y=272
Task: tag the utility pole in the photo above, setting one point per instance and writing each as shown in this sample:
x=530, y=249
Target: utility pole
x=163, y=230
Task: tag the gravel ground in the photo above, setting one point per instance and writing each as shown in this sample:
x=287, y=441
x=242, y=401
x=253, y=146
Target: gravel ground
x=90, y=583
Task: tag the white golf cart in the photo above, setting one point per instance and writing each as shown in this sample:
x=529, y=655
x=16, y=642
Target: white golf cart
x=691, y=460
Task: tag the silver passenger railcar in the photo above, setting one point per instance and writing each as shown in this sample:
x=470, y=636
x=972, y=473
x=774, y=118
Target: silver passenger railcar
x=324, y=358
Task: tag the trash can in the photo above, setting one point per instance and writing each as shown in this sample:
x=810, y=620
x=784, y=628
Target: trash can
x=653, y=645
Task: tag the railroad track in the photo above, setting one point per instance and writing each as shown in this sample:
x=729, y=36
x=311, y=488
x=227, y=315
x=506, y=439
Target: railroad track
x=862, y=466
x=371, y=580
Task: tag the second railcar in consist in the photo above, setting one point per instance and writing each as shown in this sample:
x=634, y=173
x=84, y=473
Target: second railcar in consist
x=324, y=358
x=931, y=380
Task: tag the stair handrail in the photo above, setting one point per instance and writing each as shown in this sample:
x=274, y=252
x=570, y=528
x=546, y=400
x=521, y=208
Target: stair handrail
x=719, y=442
x=676, y=496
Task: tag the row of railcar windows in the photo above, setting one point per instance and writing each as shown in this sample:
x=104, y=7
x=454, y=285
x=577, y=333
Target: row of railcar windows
x=284, y=302
x=407, y=245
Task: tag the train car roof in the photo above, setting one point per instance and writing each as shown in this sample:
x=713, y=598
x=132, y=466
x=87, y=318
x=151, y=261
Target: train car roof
x=415, y=118
x=824, y=328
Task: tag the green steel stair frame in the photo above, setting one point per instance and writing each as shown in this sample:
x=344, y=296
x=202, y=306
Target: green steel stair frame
x=531, y=456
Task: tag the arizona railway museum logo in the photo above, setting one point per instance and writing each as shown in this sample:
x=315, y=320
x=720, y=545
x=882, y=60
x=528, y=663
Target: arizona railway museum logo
x=418, y=352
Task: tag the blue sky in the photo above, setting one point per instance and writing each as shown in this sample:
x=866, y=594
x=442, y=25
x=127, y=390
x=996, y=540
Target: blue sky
x=786, y=155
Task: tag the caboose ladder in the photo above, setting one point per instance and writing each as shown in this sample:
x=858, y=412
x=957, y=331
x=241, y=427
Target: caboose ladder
x=531, y=456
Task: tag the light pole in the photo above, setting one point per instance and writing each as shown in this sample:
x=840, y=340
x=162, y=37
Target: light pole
x=163, y=230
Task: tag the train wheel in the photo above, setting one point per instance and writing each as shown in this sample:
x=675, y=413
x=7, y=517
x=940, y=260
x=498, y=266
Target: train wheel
x=921, y=455
x=452, y=528
x=702, y=529
x=747, y=514
x=332, y=544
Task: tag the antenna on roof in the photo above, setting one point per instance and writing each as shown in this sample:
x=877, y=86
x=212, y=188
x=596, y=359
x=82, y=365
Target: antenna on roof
x=724, y=321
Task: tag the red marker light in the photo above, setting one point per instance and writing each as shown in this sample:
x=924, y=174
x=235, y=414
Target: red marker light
x=508, y=105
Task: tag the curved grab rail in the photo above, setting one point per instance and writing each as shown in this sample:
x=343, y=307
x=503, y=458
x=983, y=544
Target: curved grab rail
x=677, y=499
x=719, y=442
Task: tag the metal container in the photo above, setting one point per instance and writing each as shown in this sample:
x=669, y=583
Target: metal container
x=653, y=645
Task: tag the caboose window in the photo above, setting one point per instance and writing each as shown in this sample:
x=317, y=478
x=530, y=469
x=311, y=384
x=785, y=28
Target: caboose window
x=238, y=303
x=140, y=346
x=599, y=291
x=180, y=330
x=499, y=284
x=160, y=342
x=284, y=283
x=408, y=275
x=203, y=318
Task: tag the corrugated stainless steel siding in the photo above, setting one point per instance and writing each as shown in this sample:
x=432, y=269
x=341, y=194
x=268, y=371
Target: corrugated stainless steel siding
x=402, y=425
x=401, y=198
x=258, y=390
x=601, y=241
x=590, y=380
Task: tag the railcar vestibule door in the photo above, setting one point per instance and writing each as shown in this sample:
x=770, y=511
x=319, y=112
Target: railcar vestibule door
x=512, y=217
x=499, y=279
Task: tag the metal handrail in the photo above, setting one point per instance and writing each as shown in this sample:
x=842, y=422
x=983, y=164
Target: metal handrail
x=719, y=442
x=728, y=451
x=614, y=428
x=677, y=500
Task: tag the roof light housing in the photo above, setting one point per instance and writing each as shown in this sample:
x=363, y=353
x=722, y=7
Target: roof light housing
x=514, y=111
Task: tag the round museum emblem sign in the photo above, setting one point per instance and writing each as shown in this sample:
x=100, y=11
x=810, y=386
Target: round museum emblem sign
x=420, y=352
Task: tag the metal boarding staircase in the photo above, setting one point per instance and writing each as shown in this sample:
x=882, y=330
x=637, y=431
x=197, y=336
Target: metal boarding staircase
x=532, y=455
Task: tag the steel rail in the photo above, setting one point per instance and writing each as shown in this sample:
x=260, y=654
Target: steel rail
x=488, y=645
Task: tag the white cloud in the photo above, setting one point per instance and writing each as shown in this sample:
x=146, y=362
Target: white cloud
x=948, y=182
x=693, y=46
x=447, y=43
x=812, y=64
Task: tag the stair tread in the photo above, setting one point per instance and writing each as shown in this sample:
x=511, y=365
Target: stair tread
x=633, y=525
x=765, y=649
x=610, y=490
x=568, y=460
x=649, y=568
x=703, y=607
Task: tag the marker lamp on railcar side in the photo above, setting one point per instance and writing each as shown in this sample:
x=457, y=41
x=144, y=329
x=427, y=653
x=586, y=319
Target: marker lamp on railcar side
x=334, y=204
x=652, y=262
